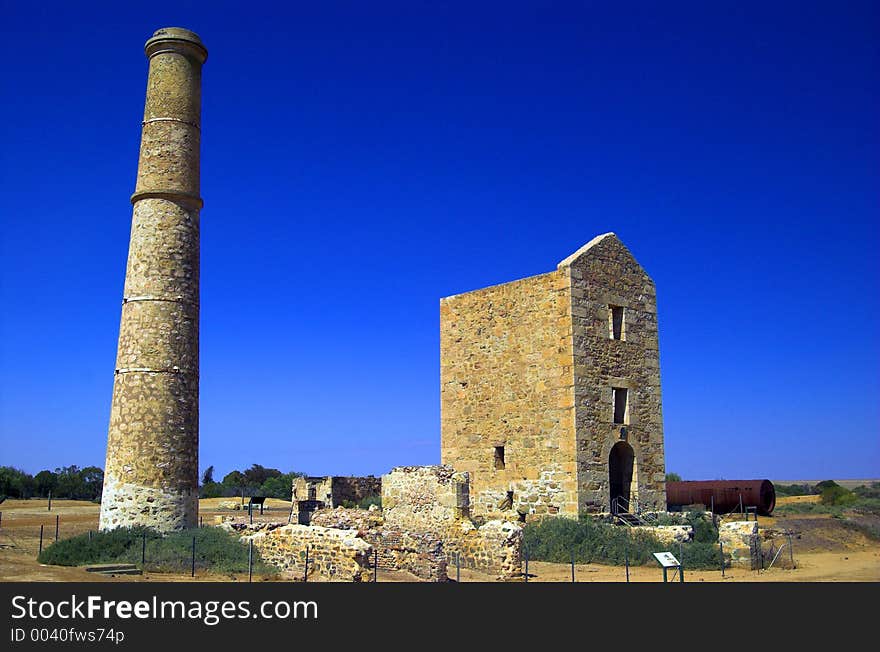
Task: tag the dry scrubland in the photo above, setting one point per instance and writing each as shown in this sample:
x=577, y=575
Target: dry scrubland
x=825, y=550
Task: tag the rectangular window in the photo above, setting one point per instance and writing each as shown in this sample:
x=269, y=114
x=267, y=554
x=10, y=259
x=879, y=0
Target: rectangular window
x=499, y=457
x=615, y=318
x=620, y=406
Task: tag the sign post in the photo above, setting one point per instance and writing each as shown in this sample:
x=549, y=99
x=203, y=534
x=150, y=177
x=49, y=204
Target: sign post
x=667, y=560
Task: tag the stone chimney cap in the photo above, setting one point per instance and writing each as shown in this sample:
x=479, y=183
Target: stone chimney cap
x=176, y=38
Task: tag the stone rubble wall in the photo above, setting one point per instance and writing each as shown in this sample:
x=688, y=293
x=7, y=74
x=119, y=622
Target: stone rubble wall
x=333, y=555
x=739, y=539
x=668, y=533
x=419, y=553
x=495, y=547
x=425, y=498
x=310, y=493
x=436, y=500
x=349, y=519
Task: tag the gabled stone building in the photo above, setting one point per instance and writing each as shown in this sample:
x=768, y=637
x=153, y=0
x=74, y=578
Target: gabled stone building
x=550, y=389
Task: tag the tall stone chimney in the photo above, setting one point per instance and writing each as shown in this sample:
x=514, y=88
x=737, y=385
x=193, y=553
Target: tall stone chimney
x=151, y=475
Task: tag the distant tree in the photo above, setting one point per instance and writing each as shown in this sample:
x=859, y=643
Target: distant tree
x=233, y=480
x=15, y=483
x=868, y=491
x=673, y=477
x=213, y=490
x=208, y=476
x=837, y=495
x=44, y=482
x=69, y=481
x=257, y=475
x=92, y=484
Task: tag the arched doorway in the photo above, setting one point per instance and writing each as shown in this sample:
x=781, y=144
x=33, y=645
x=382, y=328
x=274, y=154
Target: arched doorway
x=622, y=478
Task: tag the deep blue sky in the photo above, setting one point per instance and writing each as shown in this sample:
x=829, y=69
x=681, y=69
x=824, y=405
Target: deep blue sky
x=362, y=160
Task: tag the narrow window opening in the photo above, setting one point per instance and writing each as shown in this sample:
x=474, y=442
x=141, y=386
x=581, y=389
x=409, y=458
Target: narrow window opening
x=620, y=400
x=616, y=318
x=499, y=457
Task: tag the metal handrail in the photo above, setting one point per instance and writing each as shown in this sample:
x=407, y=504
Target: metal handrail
x=619, y=501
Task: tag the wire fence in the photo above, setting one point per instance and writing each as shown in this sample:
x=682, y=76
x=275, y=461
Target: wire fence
x=32, y=533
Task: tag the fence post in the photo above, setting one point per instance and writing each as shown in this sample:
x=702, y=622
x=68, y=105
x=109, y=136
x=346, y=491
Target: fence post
x=250, y=560
x=41, y=541
x=790, y=551
x=251, y=512
x=57, y=522
x=572, y=566
x=626, y=562
x=458, y=567
x=90, y=535
x=527, y=565
x=306, y=570
x=194, y=558
x=50, y=502
x=376, y=564
x=721, y=545
x=144, y=549
x=1, y=518
x=741, y=512
x=200, y=521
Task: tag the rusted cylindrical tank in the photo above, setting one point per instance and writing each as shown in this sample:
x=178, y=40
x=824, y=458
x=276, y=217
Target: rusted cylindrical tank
x=723, y=495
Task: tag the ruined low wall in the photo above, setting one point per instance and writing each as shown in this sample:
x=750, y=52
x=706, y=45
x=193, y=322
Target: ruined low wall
x=495, y=547
x=740, y=541
x=335, y=555
x=668, y=533
x=419, y=553
x=436, y=500
x=425, y=498
x=345, y=518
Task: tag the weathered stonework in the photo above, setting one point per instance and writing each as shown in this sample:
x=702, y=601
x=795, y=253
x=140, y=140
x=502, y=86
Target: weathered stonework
x=151, y=474
x=435, y=500
x=529, y=373
x=667, y=533
x=419, y=553
x=310, y=494
x=334, y=555
x=740, y=541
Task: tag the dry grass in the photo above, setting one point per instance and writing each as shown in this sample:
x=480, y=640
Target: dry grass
x=824, y=551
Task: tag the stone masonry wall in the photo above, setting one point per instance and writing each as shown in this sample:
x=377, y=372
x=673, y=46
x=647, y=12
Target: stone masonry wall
x=419, y=553
x=530, y=366
x=740, y=541
x=335, y=555
x=506, y=381
x=310, y=493
x=602, y=274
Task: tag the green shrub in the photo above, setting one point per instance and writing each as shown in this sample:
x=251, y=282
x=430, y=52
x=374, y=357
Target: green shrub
x=216, y=550
x=369, y=501
x=871, y=491
x=673, y=477
x=837, y=495
x=363, y=504
x=554, y=540
x=795, y=489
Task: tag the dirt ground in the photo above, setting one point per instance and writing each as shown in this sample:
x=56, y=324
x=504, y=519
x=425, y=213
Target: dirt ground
x=825, y=550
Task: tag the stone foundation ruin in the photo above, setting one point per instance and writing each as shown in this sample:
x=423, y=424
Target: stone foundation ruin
x=423, y=528
x=313, y=493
